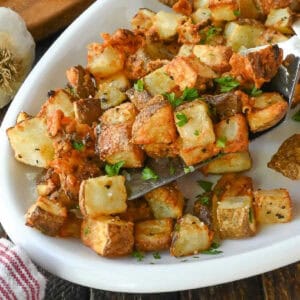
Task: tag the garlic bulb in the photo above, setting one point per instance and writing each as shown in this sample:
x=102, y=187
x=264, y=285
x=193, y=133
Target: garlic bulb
x=17, y=50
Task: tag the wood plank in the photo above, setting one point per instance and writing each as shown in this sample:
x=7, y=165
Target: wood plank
x=44, y=17
x=282, y=284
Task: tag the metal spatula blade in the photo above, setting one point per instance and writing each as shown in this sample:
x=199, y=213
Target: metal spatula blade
x=170, y=169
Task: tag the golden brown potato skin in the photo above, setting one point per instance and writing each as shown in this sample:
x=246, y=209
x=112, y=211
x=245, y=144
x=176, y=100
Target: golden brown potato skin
x=137, y=210
x=153, y=235
x=108, y=236
x=286, y=160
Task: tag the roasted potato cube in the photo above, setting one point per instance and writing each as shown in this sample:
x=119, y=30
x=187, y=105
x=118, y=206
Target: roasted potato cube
x=201, y=16
x=166, y=201
x=47, y=216
x=281, y=19
x=273, y=206
x=153, y=235
x=71, y=227
x=81, y=81
x=227, y=163
x=186, y=50
x=104, y=61
x=161, y=150
x=87, y=111
x=216, y=57
x=139, y=99
x=232, y=134
x=22, y=116
x=190, y=236
x=223, y=10
x=268, y=110
x=248, y=9
x=124, y=113
x=266, y=5
x=190, y=72
x=59, y=100
x=110, y=96
x=287, y=160
x=108, y=236
x=270, y=36
x=197, y=134
x=188, y=33
x=102, y=195
x=257, y=67
x=31, y=143
x=158, y=82
x=154, y=124
x=200, y=4
x=239, y=34
x=166, y=24
x=143, y=20
x=137, y=210
x=236, y=218
x=114, y=144
x=202, y=209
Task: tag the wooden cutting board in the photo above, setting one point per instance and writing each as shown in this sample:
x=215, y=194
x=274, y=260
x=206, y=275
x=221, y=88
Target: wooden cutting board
x=45, y=17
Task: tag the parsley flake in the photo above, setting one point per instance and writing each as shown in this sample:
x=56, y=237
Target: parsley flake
x=172, y=169
x=296, y=116
x=174, y=101
x=148, y=174
x=221, y=142
x=78, y=145
x=254, y=92
x=205, y=185
x=213, y=249
x=237, y=13
x=226, y=83
x=250, y=215
x=196, y=132
x=209, y=33
x=205, y=200
x=190, y=94
x=87, y=231
x=156, y=255
x=138, y=255
x=182, y=119
x=113, y=170
x=188, y=169
x=139, y=85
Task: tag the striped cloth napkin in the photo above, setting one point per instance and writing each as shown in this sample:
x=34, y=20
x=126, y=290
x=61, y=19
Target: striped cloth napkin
x=19, y=278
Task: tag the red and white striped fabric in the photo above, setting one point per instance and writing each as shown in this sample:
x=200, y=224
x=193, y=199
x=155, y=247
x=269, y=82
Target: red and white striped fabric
x=19, y=278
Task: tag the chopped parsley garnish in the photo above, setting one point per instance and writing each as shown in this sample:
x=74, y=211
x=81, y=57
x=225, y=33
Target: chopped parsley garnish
x=188, y=94
x=188, y=169
x=205, y=185
x=237, y=13
x=196, y=132
x=209, y=33
x=139, y=85
x=296, y=116
x=250, y=215
x=148, y=174
x=226, y=83
x=221, y=142
x=213, y=249
x=138, y=255
x=78, y=145
x=182, y=119
x=156, y=255
x=87, y=231
x=205, y=200
x=113, y=170
x=172, y=169
x=254, y=92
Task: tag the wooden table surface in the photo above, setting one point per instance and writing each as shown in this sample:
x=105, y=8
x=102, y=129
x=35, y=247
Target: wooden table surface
x=279, y=284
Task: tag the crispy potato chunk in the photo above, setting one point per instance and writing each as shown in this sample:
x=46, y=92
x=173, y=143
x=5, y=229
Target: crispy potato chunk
x=143, y=19
x=273, y=206
x=244, y=34
x=202, y=209
x=266, y=5
x=166, y=24
x=22, y=116
x=227, y=163
x=200, y=4
x=236, y=217
x=190, y=236
x=216, y=57
x=139, y=99
x=31, y=143
x=201, y=16
x=248, y=9
x=47, y=216
x=233, y=134
x=153, y=235
x=287, y=160
x=223, y=10
x=161, y=150
x=190, y=72
x=257, y=67
x=87, y=110
x=59, y=100
x=154, y=124
x=158, y=82
x=71, y=227
x=188, y=33
x=268, y=110
x=137, y=210
x=102, y=195
x=166, y=201
x=281, y=19
x=104, y=61
x=108, y=236
x=270, y=36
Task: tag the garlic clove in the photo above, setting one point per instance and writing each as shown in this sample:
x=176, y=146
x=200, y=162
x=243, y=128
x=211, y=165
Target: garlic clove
x=17, y=51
